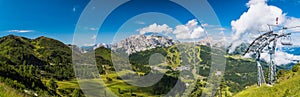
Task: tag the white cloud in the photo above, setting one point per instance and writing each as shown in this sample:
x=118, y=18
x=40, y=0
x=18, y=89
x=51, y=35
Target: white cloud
x=20, y=31
x=281, y=58
x=254, y=2
x=88, y=44
x=296, y=39
x=155, y=28
x=255, y=19
x=204, y=25
x=292, y=22
x=191, y=30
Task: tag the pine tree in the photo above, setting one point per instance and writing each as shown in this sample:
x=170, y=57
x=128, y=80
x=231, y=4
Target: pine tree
x=52, y=84
x=76, y=93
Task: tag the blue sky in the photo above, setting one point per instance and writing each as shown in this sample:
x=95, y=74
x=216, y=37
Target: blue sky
x=57, y=18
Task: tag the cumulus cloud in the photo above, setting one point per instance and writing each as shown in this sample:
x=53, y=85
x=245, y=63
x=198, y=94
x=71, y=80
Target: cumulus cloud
x=190, y=30
x=155, y=28
x=255, y=19
x=254, y=2
x=281, y=58
x=21, y=31
x=293, y=22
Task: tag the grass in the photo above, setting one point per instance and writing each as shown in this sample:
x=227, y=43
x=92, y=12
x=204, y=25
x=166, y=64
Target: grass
x=286, y=88
x=6, y=91
x=67, y=84
x=112, y=87
x=125, y=88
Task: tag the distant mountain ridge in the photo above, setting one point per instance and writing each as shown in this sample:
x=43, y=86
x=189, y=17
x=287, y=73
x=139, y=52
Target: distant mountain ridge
x=137, y=43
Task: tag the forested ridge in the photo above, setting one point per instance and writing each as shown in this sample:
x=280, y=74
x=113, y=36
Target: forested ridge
x=43, y=67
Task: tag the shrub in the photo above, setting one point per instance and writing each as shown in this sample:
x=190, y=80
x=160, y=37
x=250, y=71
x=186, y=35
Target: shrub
x=295, y=68
x=108, y=79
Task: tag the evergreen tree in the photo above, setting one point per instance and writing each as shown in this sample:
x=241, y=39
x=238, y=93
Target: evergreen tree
x=52, y=84
x=76, y=93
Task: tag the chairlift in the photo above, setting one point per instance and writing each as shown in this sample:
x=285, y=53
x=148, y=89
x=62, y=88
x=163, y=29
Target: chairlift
x=286, y=41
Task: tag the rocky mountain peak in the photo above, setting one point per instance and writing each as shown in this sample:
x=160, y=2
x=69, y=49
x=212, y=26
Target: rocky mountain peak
x=137, y=43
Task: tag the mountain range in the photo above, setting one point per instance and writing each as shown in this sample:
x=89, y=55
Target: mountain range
x=50, y=58
x=138, y=43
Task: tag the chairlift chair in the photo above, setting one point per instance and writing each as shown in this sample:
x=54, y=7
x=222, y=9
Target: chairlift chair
x=287, y=40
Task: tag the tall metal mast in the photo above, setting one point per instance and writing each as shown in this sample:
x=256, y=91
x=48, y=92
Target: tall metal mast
x=267, y=41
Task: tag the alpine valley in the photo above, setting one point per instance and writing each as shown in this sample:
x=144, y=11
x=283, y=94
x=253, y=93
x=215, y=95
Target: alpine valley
x=43, y=67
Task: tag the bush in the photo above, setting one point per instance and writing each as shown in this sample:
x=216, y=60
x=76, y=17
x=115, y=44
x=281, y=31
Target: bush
x=108, y=79
x=296, y=68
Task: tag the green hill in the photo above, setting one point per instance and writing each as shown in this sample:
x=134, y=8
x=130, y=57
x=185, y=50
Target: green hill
x=288, y=85
x=38, y=52
x=38, y=64
x=19, y=50
x=239, y=72
x=6, y=91
x=52, y=51
x=29, y=64
x=25, y=63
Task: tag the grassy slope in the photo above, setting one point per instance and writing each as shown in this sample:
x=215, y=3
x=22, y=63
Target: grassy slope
x=68, y=86
x=6, y=91
x=289, y=87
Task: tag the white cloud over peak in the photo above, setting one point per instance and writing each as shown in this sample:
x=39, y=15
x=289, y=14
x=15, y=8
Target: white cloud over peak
x=155, y=28
x=191, y=30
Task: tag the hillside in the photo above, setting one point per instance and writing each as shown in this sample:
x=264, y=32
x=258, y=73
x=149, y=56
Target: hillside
x=52, y=51
x=25, y=63
x=44, y=66
x=239, y=72
x=288, y=85
x=35, y=64
x=19, y=50
x=39, y=51
x=6, y=91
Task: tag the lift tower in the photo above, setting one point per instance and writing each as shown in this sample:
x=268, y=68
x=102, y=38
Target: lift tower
x=267, y=42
